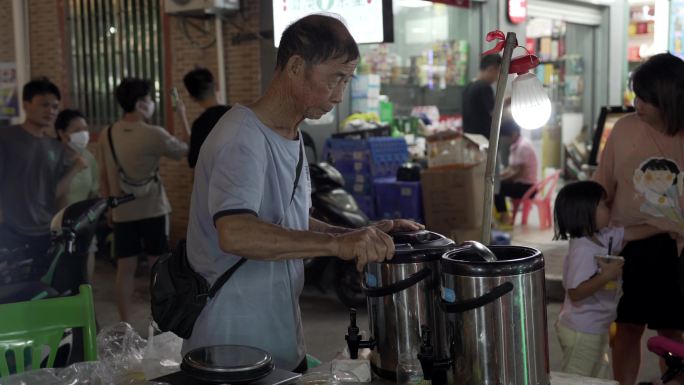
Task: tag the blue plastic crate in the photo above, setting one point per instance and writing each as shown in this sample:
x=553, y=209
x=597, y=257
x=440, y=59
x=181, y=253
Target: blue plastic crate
x=388, y=149
x=350, y=168
x=358, y=184
x=376, y=156
x=367, y=204
x=398, y=199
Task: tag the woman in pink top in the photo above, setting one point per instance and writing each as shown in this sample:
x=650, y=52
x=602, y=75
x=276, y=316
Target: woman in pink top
x=521, y=173
x=641, y=171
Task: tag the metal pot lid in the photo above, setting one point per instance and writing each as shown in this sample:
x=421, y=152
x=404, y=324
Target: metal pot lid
x=419, y=246
x=511, y=260
x=228, y=363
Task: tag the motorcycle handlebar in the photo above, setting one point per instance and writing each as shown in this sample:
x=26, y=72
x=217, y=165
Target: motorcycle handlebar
x=116, y=201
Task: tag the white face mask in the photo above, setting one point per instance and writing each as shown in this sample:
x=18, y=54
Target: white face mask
x=146, y=108
x=79, y=139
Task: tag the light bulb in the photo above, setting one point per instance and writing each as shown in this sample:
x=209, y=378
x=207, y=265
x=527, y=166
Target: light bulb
x=530, y=104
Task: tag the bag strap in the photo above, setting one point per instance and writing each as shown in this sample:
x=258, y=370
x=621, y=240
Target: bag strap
x=155, y=177
x=111, y=148
x=298, y=172
x=226, y=276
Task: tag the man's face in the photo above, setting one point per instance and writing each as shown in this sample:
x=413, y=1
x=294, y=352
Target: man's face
x=492, y=73
x=321, y=86
x=42, y=109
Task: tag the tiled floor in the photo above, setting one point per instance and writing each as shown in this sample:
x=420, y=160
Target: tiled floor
x=326, y=319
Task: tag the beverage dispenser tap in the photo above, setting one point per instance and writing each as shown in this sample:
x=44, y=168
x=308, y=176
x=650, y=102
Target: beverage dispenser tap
x=434, y=370
x=353, y=338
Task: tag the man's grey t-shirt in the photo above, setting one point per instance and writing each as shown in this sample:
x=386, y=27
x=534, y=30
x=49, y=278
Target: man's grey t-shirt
x=30, y=169
x=245, y=167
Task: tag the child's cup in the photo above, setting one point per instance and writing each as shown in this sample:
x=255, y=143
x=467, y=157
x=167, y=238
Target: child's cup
x=611, y=285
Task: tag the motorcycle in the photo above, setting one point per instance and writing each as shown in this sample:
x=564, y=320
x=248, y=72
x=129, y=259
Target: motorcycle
x=332, y=204
x=72, y=230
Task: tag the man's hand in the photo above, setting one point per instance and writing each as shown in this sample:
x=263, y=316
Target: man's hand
x=368, y=244
x=389, y=225
x=180, y=107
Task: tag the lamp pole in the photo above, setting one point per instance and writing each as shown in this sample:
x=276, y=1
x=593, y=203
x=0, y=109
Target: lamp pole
x=511, y=43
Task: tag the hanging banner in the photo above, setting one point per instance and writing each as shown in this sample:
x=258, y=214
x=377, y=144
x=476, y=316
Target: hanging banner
x=455, y=3
x=676, y=44
x=9, y=96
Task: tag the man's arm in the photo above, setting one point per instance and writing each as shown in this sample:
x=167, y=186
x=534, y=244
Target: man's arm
x=322, y=227
x=183, y=116
x=385, y=225
x=248, y=236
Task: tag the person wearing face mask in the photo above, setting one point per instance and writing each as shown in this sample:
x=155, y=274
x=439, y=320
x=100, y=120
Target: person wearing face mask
x=72, y=130
x=36, y=172
x=129, y=152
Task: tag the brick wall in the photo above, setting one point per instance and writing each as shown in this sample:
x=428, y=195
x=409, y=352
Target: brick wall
x=6, y=32
x=46, y=39
x=243, y=59
x=243, y=85
x=177, y=176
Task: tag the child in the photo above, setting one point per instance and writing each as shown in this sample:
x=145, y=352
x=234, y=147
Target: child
x=592, y=290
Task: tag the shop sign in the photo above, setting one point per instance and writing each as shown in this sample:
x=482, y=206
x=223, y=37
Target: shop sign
x=456, y=3
x=517, y=11
x=9, y=98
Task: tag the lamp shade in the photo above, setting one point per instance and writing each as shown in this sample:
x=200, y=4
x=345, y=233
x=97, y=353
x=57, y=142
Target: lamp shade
x=530, y=104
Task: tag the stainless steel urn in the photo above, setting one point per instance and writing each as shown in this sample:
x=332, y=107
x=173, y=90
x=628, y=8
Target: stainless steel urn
x=496, y=317
x=403, y=295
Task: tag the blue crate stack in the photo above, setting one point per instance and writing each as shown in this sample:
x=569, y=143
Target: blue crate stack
x=362, y=161
x=398, y=199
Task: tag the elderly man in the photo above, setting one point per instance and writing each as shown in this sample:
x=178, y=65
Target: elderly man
x=251, y=199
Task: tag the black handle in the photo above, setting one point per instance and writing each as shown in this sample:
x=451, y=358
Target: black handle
x=396, y=286
x=474, y=303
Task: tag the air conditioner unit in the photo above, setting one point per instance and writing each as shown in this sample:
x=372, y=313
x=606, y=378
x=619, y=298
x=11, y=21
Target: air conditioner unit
x=201, y=7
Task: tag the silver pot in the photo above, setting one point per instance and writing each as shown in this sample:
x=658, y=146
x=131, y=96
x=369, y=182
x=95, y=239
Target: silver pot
x=496, y=317
x=403, y=295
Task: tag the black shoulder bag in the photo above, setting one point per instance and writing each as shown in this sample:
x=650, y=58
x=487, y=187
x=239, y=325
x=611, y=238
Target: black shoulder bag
x=178, y=293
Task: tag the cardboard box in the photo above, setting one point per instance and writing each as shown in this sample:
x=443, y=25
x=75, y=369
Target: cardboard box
x=453, y=197
x=460, y=235
x=450, y=149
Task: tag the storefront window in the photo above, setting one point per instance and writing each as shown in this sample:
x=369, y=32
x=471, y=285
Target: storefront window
x=647, y=33
x=427, y=64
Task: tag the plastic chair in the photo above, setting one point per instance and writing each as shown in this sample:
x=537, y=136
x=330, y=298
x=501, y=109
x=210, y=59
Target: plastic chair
x=540, y=195
x=26, y=328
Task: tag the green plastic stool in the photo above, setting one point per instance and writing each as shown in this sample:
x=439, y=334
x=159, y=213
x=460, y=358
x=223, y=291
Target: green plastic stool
x=312, y=362
x=27, y=327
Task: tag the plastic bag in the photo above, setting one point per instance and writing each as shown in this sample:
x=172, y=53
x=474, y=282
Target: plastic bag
x=162, y=355
x=120, y=352
x=86, y=373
